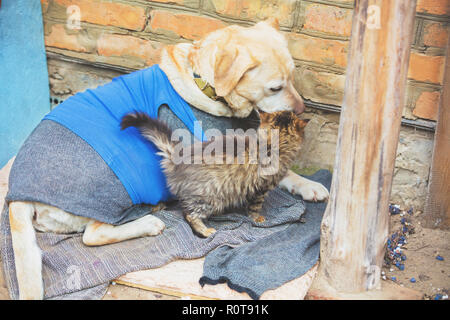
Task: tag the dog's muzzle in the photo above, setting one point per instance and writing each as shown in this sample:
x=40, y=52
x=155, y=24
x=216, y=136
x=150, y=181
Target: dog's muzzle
x=299, y=107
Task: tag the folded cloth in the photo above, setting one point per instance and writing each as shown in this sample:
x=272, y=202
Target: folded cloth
x=258, y=266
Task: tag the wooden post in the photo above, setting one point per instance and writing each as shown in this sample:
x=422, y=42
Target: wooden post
x=437, y=208
x=356, y=221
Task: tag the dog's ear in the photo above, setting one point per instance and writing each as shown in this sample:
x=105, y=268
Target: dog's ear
x=230, y=65
x=273, y=22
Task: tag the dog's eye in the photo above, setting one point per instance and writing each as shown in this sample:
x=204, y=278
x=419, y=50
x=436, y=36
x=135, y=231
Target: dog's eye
x=276, y=89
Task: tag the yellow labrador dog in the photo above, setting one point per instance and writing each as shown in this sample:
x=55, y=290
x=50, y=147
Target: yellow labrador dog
x=250, y=68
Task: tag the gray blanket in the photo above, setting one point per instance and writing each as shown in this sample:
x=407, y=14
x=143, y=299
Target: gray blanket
x=72, y=270
x=258, y=266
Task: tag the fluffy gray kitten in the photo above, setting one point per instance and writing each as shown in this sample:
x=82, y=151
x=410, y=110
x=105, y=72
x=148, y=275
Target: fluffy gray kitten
x=207, y=188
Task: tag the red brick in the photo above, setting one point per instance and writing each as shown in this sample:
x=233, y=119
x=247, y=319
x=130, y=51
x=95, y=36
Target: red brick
x=436, y=7
x=329, y=19
x=435, y=34
x=427, y=105
x=109, y=13
x=123, y=45
x=184, y=25
x=60, y=38
x=323, y=51
x=426, y=68
x=255, y=9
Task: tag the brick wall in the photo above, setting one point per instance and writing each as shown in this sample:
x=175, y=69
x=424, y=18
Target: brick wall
x=130, y=33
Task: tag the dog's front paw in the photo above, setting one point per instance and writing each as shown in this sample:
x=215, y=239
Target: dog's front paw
x=152, y=225
x=312, y=191
x=309, y=190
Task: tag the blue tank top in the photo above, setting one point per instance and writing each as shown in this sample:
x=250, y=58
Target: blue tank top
x=95, y=115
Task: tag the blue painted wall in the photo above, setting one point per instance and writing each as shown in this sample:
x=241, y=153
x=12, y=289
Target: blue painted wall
x=24, y=88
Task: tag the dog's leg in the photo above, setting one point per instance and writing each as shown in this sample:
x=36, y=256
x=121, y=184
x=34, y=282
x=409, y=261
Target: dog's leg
x=27, y=255
x=309, y=190
x=98, y=233
x=53, y=219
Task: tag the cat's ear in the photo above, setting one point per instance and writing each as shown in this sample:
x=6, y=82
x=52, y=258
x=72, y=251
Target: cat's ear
x=302, y=123
x=264, y=116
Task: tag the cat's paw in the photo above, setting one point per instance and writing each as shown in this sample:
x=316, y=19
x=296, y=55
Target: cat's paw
x=257, y=218
x=309, y=190
x=208, y=232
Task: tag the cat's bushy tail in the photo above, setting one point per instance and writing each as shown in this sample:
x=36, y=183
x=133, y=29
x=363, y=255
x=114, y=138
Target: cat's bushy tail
x=153, y=130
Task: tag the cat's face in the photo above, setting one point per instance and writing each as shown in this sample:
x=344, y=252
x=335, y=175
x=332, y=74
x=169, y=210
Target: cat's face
x=285, y=121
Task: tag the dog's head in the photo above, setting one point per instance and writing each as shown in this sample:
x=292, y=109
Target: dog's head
x=251, y=68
